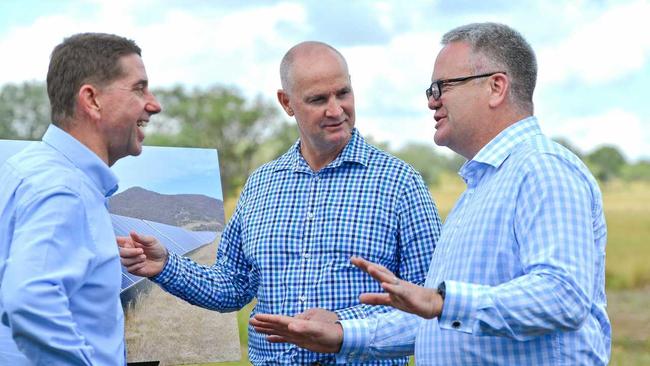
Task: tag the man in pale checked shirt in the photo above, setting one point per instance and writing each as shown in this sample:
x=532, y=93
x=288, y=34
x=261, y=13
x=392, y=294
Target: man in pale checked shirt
x=518, y=275
x=60, y=272
x=301, y=217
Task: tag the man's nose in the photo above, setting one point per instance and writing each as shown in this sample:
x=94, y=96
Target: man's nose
x=434, y=104
x=153, y=106
x=333, y=108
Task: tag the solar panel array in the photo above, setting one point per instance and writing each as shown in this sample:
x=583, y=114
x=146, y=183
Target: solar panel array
x=176, y=239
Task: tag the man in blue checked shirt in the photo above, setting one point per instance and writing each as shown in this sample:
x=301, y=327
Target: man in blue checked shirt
x=60, y=273
x=301, y=217
x=518, y=275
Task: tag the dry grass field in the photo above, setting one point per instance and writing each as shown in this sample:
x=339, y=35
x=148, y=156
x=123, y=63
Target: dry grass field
x=161, y=327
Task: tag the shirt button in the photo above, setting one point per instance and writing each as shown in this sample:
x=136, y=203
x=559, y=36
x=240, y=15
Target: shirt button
x=302, y=298
x=310, y=215
x=456, y=324
x=306, y=256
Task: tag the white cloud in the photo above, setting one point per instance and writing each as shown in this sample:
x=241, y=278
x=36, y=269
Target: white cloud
x=242, y=47
x=616, y=127
x=389, y=83
x=612, y=45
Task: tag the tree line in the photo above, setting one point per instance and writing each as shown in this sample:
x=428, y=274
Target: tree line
x=248, y=133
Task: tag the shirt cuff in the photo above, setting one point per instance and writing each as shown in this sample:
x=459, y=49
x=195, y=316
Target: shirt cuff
x=169, y=270
x=461, y=303
x=356, y=336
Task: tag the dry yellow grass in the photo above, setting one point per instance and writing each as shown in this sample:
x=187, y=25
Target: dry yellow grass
x=161, y=327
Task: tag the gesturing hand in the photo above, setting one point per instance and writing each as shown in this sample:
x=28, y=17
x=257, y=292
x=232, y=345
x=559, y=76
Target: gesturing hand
x=317, y=336
x=142, y=255
x=400, y=294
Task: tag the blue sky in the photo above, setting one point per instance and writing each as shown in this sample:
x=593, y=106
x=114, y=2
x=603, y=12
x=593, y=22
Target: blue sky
x=594, y=56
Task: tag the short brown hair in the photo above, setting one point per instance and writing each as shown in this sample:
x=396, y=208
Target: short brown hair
x=84, y=58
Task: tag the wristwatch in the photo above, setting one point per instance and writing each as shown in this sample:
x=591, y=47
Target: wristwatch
x=442, y=290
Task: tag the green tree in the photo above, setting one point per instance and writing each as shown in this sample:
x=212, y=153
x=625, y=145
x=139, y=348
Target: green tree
x=24, y=111
x=639, y=171
x=425, y=160
x=606, y=162
x=219, y=118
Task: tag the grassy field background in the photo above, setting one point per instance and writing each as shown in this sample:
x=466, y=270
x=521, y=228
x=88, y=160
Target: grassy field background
x=627, y=209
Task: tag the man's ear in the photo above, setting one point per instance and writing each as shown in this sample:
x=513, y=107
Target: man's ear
x=87, y=101
x=499, y=88
x=283, y=98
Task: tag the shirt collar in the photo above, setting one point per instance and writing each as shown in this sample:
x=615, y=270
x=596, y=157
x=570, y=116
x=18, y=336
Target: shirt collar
x=83, y=158
x=500, y=147
x=356, y=151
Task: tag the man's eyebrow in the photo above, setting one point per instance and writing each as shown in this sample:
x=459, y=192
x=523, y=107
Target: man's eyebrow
x=142, y=82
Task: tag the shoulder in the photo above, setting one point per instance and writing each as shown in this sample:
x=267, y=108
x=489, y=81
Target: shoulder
x=381, y=160
x=550, y=164
x=42, y=169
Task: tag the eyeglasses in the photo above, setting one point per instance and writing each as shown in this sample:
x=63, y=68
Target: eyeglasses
x=435, y=90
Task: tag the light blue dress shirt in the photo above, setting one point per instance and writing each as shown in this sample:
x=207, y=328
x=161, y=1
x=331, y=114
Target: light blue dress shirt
x=290, y=240
x=59, y=266
x=522, y=255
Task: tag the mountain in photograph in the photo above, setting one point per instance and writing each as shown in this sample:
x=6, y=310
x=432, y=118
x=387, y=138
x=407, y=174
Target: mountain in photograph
x=195, y=212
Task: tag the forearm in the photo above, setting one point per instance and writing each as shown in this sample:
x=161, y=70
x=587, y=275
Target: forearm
x=213, y=288
x=42, y=326
x=526, y=307
x=383, y=336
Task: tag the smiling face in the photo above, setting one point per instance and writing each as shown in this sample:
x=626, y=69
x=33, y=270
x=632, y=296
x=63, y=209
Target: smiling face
x=320, y=97
x=460, y=108
x=126, y=105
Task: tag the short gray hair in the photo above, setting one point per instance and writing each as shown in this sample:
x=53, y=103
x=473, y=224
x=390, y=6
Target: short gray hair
x=287, y=61
x=501, y=48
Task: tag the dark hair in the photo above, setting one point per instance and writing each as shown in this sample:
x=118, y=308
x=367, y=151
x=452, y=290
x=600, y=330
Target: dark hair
x=498, y=47
x=85, y=58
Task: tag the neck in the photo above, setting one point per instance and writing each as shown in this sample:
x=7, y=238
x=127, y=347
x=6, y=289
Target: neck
x=495, y=126
x=82, y=131
x=317, y=160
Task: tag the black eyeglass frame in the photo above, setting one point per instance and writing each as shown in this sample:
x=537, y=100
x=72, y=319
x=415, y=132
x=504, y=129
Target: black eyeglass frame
x=440, y=83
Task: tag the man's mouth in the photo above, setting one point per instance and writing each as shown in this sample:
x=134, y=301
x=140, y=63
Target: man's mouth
x=142, y=123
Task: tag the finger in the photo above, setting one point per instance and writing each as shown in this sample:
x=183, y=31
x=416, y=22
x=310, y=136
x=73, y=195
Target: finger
x=276, y=339
x=375, y=299
x=360, y=262
x=144, y=240
x=369, y=267
x=128, y=262
x=267, y=325
x=124, y=242
x=130, y=252
x=382, y=274
x=274, y=319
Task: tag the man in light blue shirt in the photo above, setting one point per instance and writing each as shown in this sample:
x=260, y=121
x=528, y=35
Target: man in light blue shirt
x=518, y=275
x=59, y=266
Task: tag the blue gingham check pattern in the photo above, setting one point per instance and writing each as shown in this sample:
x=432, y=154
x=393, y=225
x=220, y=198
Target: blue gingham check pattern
x=291, y=236
x=522, y=255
